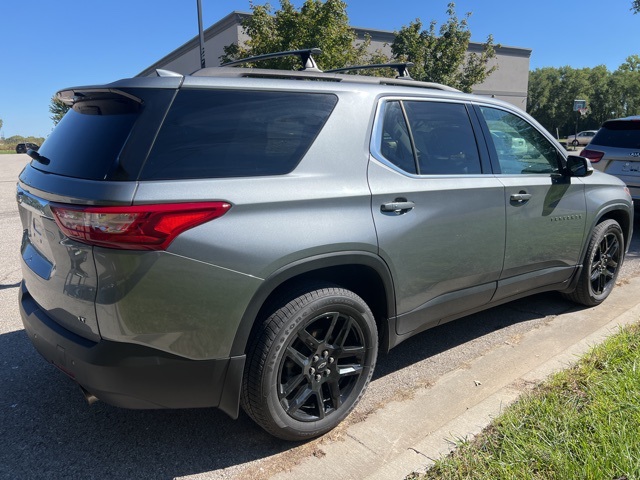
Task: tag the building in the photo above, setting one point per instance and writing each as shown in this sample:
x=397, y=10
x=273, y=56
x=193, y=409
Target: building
x=509, y=82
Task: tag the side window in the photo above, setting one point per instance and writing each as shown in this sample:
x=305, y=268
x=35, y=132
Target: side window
x=443, y=137
x=521, y=149
x=227, y=133
x=439, y=139
x=396, y=143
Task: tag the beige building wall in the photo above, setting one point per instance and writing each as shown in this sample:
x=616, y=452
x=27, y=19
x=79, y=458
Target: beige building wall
x=508, y=83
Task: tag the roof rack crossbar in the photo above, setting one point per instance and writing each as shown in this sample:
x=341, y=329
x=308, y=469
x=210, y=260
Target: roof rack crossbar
x=309, y=64
x=402, y=68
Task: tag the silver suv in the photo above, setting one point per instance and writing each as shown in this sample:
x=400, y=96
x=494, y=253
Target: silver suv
x=616, y=150
x=253, y=237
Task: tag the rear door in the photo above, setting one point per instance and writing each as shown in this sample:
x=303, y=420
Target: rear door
x=439, y=217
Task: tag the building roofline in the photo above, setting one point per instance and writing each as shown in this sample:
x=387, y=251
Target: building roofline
x=235, y=18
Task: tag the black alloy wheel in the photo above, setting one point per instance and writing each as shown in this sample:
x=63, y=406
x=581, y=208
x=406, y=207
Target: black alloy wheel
x=310, y=363
x=601, y=266
x=605, y=263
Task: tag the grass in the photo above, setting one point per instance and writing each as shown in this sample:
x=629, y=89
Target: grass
x=582, y=423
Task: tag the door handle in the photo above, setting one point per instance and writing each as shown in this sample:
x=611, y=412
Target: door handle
x=520, y=197
x=397, y=207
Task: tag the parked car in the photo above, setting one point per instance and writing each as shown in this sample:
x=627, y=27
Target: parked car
x=23, y=147
x=616, y=150
x=240, y=237
x=582, y=138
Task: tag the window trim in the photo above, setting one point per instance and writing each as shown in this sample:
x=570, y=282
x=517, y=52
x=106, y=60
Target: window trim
x=375, y=144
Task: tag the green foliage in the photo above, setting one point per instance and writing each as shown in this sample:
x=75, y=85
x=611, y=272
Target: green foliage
x=57, y=108
x=635, y=6
x=10, y=143
x=316, y=24
x=582, y=423
x=0, y=124
x=440, y=55
x=608, y=94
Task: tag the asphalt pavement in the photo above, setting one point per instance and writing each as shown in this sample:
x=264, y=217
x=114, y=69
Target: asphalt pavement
x=443, y=384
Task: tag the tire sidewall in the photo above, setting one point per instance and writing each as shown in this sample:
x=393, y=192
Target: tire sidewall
x=607, y=228
x=327, y=302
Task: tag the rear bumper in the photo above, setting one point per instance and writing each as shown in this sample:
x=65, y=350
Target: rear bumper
x=133, y=376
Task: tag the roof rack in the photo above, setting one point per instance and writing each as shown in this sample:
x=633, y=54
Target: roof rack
x=402, y=68
x=309, y=64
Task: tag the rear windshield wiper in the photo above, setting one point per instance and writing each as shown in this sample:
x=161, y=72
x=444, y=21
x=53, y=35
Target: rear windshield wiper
x=38, y=158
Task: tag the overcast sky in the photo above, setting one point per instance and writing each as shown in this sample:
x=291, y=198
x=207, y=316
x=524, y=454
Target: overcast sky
x=48, y=45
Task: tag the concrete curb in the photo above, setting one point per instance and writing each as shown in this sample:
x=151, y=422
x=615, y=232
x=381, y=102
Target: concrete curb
x=404, y=436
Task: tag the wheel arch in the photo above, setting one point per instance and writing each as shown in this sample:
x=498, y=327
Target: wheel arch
x=621, y=215
x=363, y=273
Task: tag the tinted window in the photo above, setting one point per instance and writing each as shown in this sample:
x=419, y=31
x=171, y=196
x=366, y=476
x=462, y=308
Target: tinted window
x=438, y=140
x=216, y=133
x=396, y=143
x=88, y=140
x=443, y=137
x=621, y=134
x=520, y=148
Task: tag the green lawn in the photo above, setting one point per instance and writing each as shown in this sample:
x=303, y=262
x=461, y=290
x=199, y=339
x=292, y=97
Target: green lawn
x=583, y=423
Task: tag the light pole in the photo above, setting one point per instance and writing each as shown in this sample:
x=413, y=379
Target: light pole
x=201, y=33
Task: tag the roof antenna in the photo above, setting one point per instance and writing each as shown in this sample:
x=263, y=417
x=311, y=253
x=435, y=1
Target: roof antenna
x=202, y=62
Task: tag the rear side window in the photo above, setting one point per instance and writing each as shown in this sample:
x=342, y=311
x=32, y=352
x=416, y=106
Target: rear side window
x=437, y=140
x=217, y=133
x=620, y=134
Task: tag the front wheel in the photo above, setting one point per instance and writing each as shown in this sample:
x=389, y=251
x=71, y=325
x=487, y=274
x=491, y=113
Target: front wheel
x=309, y=363
x=601, y=264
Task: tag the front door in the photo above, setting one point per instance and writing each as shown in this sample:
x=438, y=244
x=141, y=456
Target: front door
x=545, y=211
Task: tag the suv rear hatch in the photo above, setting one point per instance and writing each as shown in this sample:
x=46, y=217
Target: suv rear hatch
x=618, y=144
x=92, y=157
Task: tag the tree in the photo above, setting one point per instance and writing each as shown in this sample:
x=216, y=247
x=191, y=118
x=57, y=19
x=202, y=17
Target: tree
x=0, y=124
x=58, y=108
x=635, y=6
x=631, y=63
x=609, y=95
x=316, y=24
x=441, y=55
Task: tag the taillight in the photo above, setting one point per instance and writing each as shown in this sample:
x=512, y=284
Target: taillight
x=139, y=227
x=593, y=155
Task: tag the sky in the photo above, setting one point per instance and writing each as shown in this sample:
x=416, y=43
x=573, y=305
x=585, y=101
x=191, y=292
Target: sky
x=47, y=45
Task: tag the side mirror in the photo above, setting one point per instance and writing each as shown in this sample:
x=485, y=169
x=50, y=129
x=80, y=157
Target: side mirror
x=578, y=166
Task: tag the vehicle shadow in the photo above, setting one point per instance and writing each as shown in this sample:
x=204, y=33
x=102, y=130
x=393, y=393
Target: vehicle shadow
x=49, y=431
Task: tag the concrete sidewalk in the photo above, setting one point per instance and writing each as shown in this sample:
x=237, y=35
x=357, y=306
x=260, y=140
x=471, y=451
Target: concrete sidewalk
x=404, y=436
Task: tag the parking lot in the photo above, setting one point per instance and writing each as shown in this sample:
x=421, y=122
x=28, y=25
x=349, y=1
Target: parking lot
x=49, y=431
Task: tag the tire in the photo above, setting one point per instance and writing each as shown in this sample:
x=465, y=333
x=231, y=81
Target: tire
x=601, y=266
x=575, y=143
x=309, y=363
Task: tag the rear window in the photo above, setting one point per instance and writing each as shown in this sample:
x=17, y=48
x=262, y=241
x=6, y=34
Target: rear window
x=218, y=133
x=88, y=140
x=619, y=134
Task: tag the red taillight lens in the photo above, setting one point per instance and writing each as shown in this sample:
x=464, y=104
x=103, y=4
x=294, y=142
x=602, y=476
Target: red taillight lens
x=593, y=155
x=139, y=227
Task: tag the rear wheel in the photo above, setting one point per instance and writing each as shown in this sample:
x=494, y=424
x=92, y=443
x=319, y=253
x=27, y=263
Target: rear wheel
x=601, y=264
x=575, y=143
x=309, y=363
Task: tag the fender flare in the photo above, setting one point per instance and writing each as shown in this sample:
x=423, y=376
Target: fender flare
x=307, y=265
